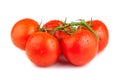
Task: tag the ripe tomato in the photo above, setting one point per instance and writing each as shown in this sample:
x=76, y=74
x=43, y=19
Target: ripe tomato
x=101, y=30
x=80, y=47
x=52, y=24
x=22, y=30
x=42, y=49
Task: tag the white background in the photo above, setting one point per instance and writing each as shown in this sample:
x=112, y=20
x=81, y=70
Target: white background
x=14, y=65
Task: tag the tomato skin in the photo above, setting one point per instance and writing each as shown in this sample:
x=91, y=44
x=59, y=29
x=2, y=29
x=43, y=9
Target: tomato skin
x=22, y=30
x=52, y=24
x=42, y=49
x=80, y=47
x=101, y=29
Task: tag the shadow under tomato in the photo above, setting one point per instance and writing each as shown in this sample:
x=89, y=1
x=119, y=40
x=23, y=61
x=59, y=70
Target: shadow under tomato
x=63, y=63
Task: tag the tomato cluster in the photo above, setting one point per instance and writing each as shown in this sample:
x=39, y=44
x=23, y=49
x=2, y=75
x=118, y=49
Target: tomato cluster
x=78, y=41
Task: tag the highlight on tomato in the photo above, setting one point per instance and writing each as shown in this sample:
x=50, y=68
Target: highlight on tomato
x=53, y=24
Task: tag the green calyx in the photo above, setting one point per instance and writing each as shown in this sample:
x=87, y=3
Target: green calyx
x=82, y=22
x=73, y=28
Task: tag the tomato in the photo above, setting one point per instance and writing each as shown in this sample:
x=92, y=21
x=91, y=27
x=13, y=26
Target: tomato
x=42, y=49
x=22, y=30
x=52, y=24
x=80, y=47
x=101, y=30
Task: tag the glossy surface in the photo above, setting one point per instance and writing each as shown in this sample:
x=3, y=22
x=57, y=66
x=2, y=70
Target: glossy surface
x=22, y=30
x=80, y=47
x=101, y=29
x=42, y=49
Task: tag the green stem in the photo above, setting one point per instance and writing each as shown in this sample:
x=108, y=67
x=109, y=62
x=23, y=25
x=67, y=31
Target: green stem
x=89, y=28
x=58, y=28
x=82, y=22
x=73, y=29
x=54, y=30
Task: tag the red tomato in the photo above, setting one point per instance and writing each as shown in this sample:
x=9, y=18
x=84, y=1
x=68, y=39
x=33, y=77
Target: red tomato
x=42, y=49
x=22, y=30
x=80, y=47
x=100, y=28
x=52, y=24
